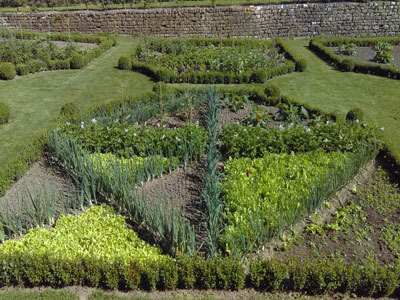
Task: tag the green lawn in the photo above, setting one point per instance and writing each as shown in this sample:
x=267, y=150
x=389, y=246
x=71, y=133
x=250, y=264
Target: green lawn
x=35, y=100
x=323, y=87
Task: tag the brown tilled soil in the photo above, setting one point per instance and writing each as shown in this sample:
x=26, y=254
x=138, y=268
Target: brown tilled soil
x=42, y=177
x=366, y=54
x=362, y=238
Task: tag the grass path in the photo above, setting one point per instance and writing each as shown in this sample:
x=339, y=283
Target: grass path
x=36, y=99
x=323, y=87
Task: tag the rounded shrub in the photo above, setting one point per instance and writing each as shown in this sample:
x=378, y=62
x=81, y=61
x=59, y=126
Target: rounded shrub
x=124, y=63
x=70, y=110
x=4, y=112
x=355, y=114
x=347, y=65
x=301, y=65
x=272, y=90
x=7, y=71
x=77, y=61
x=22, y=69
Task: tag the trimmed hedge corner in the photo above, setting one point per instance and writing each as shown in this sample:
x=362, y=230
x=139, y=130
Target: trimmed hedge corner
x=320, y=46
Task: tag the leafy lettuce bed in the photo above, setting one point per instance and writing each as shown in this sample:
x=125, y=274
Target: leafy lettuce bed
x=98, y=233
x=279, y=175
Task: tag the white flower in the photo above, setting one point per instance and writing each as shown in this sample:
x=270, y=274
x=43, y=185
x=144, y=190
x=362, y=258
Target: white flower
x=126, y=130
x=382, y=128
x=178, y=139
x=108, y=128
x=237, y=122
x=145, y=123
x=281, y=127
x=158, y=124
x=54, y=130
x=164, y=125
x=134, y=134
x=340, y=137
x=116, y=120
x=357, y=121
x=197, y=123
x=244, y=129
x=258, y=138
x=175, y=128
x=291, y=124
x=235, y=135
x=326, y=140
x=137, y=123
x=163, y=136
x=318, y=125
x=308, y=129
x=67, y=123
x=94, y=120
x=365, y=125
x=82, y=126
x=82, y=123
x=327, y=122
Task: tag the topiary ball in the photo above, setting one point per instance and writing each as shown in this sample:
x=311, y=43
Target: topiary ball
x=124, y=63
x=7, y=71
x=77, y=61
x=355, y=114
x=4, y=112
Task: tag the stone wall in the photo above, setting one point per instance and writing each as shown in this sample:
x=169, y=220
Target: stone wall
x=263, y=21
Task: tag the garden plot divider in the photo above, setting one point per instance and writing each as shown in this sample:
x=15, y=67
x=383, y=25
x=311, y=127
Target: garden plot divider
x=320, y=47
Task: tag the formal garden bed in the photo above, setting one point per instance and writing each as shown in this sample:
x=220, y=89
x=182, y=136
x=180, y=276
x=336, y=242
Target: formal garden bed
x=22, y=53
x=225, y=187
x=211, y=60
x=377, y=56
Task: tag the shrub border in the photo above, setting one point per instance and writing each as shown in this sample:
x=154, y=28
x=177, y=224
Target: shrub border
x=319, y=46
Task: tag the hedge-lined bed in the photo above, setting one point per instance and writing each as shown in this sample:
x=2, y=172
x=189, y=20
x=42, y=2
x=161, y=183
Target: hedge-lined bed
x=28, y=52
x=382, y=45
x=200, y=60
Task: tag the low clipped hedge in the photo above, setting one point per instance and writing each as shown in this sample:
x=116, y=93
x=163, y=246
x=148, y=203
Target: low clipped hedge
x=320, y=47
x=4, y=113
x=312, y=277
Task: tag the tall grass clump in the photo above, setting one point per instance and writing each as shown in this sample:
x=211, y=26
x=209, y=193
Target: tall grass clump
x=212, y=191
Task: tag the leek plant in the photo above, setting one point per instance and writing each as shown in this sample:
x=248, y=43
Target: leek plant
x=212, y=191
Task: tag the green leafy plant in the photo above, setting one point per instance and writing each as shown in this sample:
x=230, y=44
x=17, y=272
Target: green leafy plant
x=348, y=48
x=384, y=52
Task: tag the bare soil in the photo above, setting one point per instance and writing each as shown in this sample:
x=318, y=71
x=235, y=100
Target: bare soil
x=42, y=177
x=366, y=54
x=362, y=238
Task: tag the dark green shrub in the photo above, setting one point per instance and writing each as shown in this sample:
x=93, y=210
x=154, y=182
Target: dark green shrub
x=258, y=76
x=301, y=65
x=7, y=71
x=355, y=114
x=70, y=111
x=272, y=90
x=77, y=61
x=186, y=272
x=4, y=113
x=266, y=275
x=348, y=65
x=124, y=63
x=22, y=69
